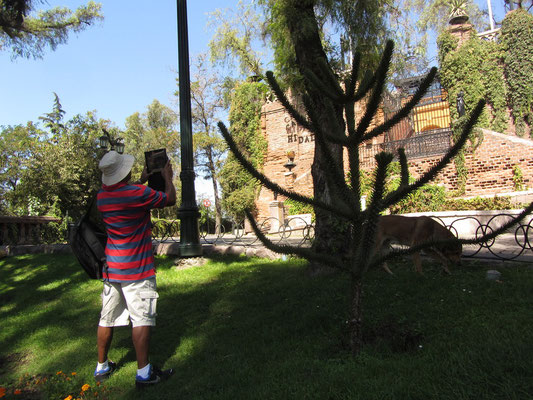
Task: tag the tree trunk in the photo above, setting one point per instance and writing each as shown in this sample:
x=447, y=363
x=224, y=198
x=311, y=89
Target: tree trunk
x=218, y=207
x=355, y=323
x=330, y=232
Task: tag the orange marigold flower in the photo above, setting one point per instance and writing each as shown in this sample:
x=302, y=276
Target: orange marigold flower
x=85, y=387
x=59, y=372
x=73, y=373
x=69, y=397
x=17, y=392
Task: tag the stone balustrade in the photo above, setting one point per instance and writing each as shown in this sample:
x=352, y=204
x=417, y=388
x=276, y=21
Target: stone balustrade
x=22, y=230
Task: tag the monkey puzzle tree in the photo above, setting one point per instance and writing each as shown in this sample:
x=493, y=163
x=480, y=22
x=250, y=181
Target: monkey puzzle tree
x=344, y=201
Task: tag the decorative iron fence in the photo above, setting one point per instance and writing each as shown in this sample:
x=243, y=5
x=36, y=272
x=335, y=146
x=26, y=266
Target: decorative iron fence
x=436, y=142
x=297, y=231
x=294, y=230
x=510, y=245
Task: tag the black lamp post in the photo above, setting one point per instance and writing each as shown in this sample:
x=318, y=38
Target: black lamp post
x=116, y=144
x=188, y=212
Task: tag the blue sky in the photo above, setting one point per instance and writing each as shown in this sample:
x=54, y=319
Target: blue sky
x=117, y=67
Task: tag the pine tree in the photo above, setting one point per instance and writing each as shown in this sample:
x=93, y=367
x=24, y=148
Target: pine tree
x=345, y=205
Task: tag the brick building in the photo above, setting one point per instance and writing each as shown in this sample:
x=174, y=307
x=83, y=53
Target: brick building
x=490, y=167
x=425, y=135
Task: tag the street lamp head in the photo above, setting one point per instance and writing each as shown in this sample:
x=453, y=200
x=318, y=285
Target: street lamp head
x=119, y=145
x=103, y=142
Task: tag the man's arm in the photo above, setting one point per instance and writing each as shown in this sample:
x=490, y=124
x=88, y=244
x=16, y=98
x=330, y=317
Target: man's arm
x=170, y=190
x=144, y=177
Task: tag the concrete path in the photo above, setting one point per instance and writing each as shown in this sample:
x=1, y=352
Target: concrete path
x=503, y=249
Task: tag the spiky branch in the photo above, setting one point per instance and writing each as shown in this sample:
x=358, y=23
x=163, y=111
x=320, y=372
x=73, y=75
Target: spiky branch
x=350, y=133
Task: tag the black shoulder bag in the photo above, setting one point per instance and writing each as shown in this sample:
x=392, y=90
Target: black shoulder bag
x=88, y=241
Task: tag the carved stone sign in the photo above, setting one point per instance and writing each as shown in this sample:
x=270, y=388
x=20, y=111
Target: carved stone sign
x=296, y=133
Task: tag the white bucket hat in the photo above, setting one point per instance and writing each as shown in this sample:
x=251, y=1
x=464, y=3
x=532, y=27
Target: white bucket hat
x=115, y=167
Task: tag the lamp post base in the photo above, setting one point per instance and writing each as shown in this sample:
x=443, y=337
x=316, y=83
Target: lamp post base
x=190, y=245
x=190, y=250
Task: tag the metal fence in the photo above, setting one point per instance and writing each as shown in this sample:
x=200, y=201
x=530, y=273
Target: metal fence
x=295, y=231
x=436, y=142
x=512, y=244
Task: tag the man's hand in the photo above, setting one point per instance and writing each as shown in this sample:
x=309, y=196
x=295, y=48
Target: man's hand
x=170, y=190
x=144, y=175
x=167, y=171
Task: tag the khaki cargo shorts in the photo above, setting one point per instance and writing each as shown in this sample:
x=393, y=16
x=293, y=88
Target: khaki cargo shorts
x=123, y=302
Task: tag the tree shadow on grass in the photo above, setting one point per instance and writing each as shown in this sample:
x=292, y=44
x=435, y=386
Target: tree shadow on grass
x=46, y=301
x=224, y=333
x=250, y=328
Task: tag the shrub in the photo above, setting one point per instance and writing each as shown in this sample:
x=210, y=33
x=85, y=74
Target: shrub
x=294, y=207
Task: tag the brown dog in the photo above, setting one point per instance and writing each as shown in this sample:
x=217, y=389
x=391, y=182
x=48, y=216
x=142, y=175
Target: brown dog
x=410, y=231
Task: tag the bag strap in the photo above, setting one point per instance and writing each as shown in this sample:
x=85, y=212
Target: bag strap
x=85, y=216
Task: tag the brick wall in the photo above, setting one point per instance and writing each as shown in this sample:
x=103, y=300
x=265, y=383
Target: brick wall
x=490, y=167
x=284, y=135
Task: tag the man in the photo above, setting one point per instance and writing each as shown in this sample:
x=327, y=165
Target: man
x=129, y=282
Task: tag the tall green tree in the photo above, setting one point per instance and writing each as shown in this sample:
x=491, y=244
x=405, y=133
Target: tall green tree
x=297, y=26
x=28, y=33
x=17, y=146
x=239, y=191
x=50, y=170
x=297, y=32
x=361, y=26
x=235, y=39
x=154, y=129
x=209, y=147
x=62, y=172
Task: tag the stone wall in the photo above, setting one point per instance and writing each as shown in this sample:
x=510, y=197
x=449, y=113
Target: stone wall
x=22, y=230
x=284, y=135
x=490, y=167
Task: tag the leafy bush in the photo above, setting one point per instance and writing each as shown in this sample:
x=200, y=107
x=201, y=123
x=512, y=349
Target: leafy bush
x=427, y=198
x=53, y=232
x=479, y=204
x=294, y=207
x=433, y=198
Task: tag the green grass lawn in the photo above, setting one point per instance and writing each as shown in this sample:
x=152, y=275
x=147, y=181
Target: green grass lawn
x=241, y=328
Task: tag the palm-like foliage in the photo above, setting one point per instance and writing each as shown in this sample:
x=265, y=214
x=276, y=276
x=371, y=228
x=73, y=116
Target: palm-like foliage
x=347, y=200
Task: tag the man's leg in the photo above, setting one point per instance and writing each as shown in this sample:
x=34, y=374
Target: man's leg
x=141, y=341
x=104, y=336
x=114, y=313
